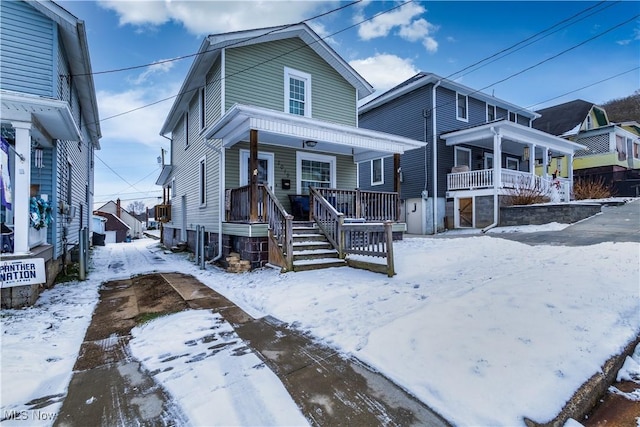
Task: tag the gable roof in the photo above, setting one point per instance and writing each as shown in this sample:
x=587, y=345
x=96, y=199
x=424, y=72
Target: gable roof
x=212, y=46
x=422, y=79
x=562, y=118
x=113, y=222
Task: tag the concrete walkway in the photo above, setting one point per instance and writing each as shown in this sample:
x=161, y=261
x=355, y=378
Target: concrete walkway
x=109, y=387
x=613, y=224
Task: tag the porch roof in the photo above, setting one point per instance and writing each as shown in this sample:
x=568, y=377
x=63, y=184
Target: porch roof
x=513, y=135
x=51, y=117
x=284, y=129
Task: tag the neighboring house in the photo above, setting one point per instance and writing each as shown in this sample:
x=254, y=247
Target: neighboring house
x=50, y=125
x=116, y=230
x=612, y=149
x=132, y=221
x=484, y=148
x=263, y=116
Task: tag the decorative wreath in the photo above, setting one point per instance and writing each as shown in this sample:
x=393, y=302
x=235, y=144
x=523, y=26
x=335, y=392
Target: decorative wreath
x=39, y=213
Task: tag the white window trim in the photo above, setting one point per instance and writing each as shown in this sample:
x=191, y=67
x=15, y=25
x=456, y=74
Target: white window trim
x=495, y=112
x=455, y=156
x=512, y=159
x=244, y=158
x=381, y=174
x=466, y=107
x=300, y=75
x=173, y=188
x=186, y=129
x=303, y=155
x=202, y=181
x=202, y=107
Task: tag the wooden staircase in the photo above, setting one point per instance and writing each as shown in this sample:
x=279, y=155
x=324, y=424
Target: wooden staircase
x=311, y=249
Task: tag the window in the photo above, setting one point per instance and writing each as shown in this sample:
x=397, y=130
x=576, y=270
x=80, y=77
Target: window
x=636, y=151
x=186, y=130
x=297, y=92
x=462, y=106
x=314, y=170
x=203, y=108
x=377, y=171
x=172, y=187
x=589, y=123
x=512, y=117
x=491, y=113
x=462, y=157
x=202, y=190
x=488, y=160
x=513, y=164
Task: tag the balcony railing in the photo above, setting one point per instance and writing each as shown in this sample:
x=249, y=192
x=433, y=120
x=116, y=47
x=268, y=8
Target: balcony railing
x=510, y=180
x=163, y=213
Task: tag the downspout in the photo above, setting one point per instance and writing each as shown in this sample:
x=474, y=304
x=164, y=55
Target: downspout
x=221, y=195
x=496, y=172
x=435, y=157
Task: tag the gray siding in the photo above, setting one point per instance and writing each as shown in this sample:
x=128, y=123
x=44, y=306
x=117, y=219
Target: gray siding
x=28, y=43
x=255, y=76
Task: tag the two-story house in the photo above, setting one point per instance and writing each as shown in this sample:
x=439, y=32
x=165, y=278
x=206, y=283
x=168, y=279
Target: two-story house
x=50, y=129
x=612, y=150
x=479, y=149
x=265, y=130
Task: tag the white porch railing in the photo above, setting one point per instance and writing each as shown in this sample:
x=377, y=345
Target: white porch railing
x=510, y=179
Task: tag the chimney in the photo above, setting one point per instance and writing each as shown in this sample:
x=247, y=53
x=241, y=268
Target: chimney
x=118, y=208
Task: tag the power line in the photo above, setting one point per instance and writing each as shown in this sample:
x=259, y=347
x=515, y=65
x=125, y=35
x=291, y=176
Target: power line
x=179, y=58
x=512, y=49
x=584, y=87
x=262, y=62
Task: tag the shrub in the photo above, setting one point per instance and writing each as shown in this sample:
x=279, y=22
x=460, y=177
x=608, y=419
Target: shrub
x=592, y=188
x=526, y=192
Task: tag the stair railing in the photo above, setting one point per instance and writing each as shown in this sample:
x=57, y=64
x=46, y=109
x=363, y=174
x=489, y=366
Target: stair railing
x=280, y=231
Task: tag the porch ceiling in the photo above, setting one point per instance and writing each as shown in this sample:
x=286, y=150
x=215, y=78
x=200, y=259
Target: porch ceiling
x=280, y=128
x=49, y=116
x=514, y=136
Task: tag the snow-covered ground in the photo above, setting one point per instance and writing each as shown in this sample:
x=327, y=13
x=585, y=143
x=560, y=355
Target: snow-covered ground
x=485, y=331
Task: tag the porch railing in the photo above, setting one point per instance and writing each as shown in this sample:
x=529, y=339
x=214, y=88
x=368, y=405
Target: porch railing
x=238, y=204
x=367, y=205
x=510, y=179
x=347, y=237
x=280, y=231
x=162, y=213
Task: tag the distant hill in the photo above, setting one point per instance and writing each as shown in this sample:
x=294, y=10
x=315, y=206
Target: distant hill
x=624, y=109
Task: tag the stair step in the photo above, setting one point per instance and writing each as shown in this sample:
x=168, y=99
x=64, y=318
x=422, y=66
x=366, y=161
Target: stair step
x=316, y=264
x=314, y=254
x=309, y=245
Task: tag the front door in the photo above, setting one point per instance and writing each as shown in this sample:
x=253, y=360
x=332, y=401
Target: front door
x=465, y=210
x=265, y=168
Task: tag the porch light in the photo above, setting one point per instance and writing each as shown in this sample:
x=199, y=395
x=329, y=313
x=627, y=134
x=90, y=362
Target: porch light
x=310, y=143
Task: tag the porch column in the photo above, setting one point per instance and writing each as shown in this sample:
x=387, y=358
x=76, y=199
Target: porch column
x=545, y=163
x=532, y=159
x=570, y=173
x=497, y=160
x=22, y=188
x=253, y=179
x=396, y=182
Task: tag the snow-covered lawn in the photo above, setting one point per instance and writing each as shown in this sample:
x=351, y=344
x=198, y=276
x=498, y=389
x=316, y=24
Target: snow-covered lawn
x=485, y=331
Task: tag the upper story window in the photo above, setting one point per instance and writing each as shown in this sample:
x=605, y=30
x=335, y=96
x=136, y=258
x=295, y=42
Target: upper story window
x=297, y=92
x=491, y=113
x=377, y=168
x=186, y=129
x=512, y=163
x=203, y=108
x=462, y=157
x=462, y=107
x=513, y=117
x=589, y=122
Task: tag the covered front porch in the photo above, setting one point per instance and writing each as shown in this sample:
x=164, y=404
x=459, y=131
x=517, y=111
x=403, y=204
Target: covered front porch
x=498, y=160
x=295, y=168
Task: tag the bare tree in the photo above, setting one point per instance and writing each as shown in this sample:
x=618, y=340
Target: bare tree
x=136, y=207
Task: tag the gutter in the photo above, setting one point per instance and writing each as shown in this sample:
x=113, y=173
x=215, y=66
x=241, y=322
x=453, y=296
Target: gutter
x=435, y=157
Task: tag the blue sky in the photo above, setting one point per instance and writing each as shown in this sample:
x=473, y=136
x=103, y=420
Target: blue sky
x=439, y=37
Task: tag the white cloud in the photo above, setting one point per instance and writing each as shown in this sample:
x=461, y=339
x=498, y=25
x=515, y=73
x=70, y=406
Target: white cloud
x=159, y=67
x=410, y=26
x=376, y=70
x=140, y=126
x=211, y=17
